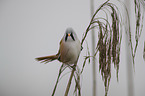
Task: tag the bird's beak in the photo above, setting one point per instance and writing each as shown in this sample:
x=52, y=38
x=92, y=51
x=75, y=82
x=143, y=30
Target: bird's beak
x=68, y=34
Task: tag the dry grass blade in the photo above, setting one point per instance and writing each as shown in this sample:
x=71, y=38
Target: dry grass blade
x=84, y=63
x=139, y=23
x=77, y=90
x=87, y=57
x=139, y=15
x=88, y=28
x=108, y=45
x=62, y=68
x=70, y=79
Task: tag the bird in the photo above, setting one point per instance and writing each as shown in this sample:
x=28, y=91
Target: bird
x=69, y=50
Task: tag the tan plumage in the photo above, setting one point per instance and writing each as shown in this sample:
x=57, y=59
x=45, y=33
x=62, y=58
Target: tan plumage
x=47, y=58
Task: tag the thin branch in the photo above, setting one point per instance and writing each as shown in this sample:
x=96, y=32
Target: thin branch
x=62, y=68
x=88, y=28
x=70, y=79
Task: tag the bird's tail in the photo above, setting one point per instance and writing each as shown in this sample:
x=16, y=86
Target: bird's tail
x=47, y=59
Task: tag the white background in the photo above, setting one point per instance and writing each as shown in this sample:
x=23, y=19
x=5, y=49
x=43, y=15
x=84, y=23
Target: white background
x=33, y=28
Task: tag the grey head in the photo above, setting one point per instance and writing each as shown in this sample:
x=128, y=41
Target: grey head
x=70, y=35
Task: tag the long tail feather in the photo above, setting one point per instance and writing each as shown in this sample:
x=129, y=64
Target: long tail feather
x=47, y=59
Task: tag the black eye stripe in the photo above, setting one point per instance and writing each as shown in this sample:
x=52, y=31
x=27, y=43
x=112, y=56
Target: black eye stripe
x=72, y=36
x=66, y=37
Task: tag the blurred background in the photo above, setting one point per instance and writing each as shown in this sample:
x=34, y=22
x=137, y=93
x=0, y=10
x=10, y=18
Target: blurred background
x=33, y=28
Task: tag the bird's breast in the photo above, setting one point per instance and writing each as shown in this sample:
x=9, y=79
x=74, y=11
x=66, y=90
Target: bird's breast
x=69, y=51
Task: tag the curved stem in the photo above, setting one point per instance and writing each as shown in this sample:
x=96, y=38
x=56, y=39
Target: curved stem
x=69, y=83
x=70, y=79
